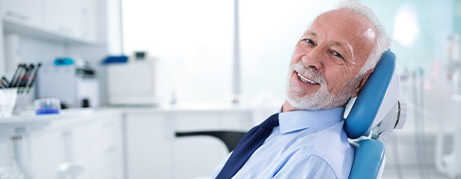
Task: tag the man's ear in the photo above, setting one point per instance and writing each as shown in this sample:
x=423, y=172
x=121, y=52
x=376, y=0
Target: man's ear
x=362, y=83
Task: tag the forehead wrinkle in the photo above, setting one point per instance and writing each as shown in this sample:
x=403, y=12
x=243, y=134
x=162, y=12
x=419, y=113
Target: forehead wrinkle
x=310, y=32
x=349, y=47
x=337, y=43
x=352, y=53
x=359, y=32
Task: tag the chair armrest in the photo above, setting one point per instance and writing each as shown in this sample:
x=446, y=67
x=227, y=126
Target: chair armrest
x=230, y=138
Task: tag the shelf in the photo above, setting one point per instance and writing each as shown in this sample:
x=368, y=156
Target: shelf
x=17, y=26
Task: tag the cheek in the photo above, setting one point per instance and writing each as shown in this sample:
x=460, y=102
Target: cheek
x=337, y=86
x=337, y=79
x=297, y=55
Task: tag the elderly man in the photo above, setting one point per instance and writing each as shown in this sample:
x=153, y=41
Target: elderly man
x=330, y=64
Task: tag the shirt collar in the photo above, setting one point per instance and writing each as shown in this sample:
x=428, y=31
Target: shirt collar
x=297, y=120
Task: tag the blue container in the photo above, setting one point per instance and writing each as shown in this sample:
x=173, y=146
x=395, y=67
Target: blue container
x=47, y=106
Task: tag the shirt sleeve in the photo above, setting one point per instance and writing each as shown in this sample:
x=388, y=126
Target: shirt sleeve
x=309, y=167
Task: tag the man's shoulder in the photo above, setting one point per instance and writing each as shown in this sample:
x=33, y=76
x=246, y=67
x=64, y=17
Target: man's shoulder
x=330, y=146
x=308, y=166
x=310, y=162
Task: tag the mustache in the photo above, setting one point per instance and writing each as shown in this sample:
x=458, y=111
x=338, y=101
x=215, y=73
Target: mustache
x=309, y=72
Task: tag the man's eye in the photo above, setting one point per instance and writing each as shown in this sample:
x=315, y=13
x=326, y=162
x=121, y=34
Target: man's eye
x=337, y=54
x=310, y=41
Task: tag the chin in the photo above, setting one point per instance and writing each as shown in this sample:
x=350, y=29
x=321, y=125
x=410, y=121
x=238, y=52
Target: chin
x=320, y=99
x=299, y=99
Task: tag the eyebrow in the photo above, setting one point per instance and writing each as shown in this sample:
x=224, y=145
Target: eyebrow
x=338, y=43
x=313, y=34
x=341, y=45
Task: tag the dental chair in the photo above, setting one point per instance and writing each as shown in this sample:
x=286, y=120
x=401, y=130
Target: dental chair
x=375, y=113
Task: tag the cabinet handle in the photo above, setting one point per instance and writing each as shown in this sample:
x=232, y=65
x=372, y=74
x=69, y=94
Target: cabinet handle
x=17, y=15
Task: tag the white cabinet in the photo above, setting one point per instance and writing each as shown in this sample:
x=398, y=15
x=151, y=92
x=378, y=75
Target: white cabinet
x=51, y=148
x=155, y=152
x=106, y=149
x=149, y=142
x=46, y=153
x=196, y=156
x=113, y=172
x=63, y=16
x=74, y=19
x=79, y=136
x=94, y=142
x=89, y=22
x=27, y=11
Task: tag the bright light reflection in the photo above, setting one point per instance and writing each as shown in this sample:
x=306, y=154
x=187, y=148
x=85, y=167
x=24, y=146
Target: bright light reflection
x=406, y=26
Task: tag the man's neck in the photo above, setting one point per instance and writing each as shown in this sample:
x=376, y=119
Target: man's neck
x=288, y=107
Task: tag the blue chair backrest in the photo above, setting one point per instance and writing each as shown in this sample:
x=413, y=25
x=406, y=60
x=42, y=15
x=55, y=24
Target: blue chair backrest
x=369, y=153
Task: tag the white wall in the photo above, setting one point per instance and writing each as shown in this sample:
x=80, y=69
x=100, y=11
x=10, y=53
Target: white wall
x=114, y=33
x=269, y=32
x=195, y=38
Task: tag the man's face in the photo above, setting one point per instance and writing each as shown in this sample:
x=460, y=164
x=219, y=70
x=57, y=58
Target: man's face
x=327, y=59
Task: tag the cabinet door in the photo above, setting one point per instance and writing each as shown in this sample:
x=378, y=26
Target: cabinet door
x=149, y=139
x=197, y=156
x=47, y=153
x=6, y=152
x=80, y=149
x=89, y=20
x=105, y=145
x=63, y=16
x=29, y=11
x=113, y=172
x=106, y=150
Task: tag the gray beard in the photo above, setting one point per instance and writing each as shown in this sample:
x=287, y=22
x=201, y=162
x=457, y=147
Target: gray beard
x=320, y=99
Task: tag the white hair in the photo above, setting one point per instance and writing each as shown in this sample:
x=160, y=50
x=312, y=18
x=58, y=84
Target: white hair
x=382, y=39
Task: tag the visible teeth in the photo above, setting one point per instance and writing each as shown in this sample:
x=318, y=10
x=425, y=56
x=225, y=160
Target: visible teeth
x=305, y=79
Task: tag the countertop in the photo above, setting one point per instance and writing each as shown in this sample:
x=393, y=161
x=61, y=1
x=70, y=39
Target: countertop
x=70, y=114
x=82, y=114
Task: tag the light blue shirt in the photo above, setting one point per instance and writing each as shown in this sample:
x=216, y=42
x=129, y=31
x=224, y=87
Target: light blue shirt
x=307, y=144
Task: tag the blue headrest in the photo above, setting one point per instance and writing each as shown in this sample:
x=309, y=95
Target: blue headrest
x=368, y=159
x=369, y=100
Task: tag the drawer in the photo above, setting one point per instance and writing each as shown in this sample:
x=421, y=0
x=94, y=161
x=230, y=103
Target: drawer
x=115, y=171
x=105, y=151
x=103, y=127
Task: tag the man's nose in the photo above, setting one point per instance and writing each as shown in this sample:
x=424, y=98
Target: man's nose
x=313, y=59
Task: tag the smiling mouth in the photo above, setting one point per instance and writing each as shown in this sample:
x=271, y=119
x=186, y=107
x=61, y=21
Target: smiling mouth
x=303, y=79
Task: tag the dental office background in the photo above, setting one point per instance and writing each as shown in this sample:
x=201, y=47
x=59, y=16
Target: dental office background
x=193, y=45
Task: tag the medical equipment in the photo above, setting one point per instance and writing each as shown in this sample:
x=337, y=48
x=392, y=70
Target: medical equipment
x=135, y=82
x=374, y=115
x=47, y=106
x=72, y=84
x=379, y=102
x=450, y=164
x=7, y=101
x=23, y=78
